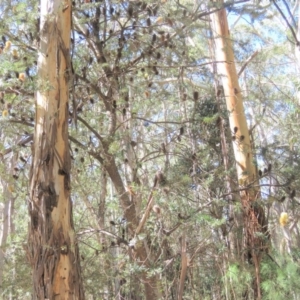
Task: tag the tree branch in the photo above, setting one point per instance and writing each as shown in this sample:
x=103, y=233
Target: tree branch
x=146, y=214
x=287, y=22
x=247, y=62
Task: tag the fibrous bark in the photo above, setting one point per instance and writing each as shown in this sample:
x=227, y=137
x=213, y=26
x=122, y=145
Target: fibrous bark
x=52, y=246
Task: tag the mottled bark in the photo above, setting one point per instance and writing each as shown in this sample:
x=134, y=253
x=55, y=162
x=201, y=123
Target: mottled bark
x=52, y=246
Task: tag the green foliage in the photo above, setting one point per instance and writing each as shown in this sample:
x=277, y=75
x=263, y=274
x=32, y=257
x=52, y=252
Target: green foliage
x=238, y=278
x=280, y=281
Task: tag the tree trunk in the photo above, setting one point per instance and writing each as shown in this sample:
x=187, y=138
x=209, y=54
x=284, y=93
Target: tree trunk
x=254, y=218
x=52, y=246
x=7, y=217
x=4, y=232
x=151, y=283
x=184, y=267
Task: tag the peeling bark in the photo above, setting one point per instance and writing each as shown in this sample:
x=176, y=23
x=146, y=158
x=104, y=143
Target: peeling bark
x=52, y=246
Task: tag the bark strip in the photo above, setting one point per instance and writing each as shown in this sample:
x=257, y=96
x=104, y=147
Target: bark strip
x=52, y=245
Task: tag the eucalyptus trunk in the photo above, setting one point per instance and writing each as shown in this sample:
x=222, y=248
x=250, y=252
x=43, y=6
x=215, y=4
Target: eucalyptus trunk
x=52, y=245
x=253, y=213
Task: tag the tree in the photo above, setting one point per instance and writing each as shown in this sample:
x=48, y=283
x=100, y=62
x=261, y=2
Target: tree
x=52, y=245
x=7, y=215
x=254, y=216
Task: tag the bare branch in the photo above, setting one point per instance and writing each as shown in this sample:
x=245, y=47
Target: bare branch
x=146, y=214
x=287, y=22
x=289, y=12
x=247, y=62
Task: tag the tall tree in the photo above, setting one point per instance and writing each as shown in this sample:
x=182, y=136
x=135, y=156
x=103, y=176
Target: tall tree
x=52, y=246
x=254, y=218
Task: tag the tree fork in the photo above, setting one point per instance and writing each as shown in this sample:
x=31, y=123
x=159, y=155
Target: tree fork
x=151, y=283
